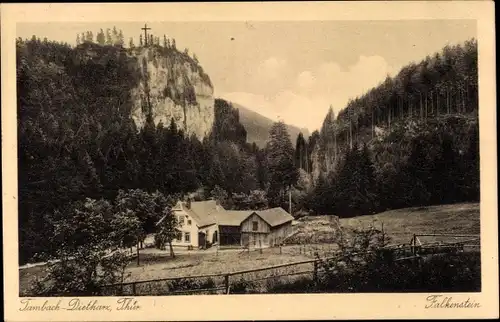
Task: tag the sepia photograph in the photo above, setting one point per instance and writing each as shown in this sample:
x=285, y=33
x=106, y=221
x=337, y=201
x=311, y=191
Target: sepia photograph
x=247, y=157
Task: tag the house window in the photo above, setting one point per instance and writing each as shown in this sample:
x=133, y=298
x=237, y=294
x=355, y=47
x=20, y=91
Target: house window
x=189, y=222
x=255, y=225
x=178, y=236
x=181, y=220
x=187, y=237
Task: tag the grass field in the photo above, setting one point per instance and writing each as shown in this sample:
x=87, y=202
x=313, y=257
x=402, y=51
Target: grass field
x=318, y=232
x=401, y=224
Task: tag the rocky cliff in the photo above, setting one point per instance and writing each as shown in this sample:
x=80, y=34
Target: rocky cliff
x=172, y=85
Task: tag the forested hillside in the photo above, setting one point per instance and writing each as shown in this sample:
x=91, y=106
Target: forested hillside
x=103, y=120
x=78, y=137
x=412, y=140
x=258, y=126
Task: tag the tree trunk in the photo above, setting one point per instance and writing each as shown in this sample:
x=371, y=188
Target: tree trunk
x=421, y=107
x=467, y=92
x=300, y=157
x=307, y=161
x=335, y=145
x=463, y=101
x=137, y=251
x=426, y=105
x=447, y=101
x=389, y=120
x=350, y=132
x=171, y=249
x=432, y=102
x=373, y=129
x=437, y=103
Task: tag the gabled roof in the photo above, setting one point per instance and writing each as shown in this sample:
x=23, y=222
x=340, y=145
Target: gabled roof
x=207, y=213
x=275, y=216
x=204, y=212
x=233, y=217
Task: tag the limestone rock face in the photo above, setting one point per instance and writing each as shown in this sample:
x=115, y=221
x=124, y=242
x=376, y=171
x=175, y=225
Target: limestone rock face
x=172, y=85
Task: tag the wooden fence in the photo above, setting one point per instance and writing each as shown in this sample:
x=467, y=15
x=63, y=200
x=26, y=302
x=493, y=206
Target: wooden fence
x=258, y=279
x=216, y=283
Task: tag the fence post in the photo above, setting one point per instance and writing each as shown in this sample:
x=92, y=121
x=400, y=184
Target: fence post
x=280, y=249
x=226, y=283
x=133, y=289
x=413, y=244
x=260, y=246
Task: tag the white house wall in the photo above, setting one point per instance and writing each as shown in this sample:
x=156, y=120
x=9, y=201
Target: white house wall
x=185, y=228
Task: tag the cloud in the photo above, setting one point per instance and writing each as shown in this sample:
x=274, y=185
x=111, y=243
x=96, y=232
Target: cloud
x=305, y=80
x=272, y=67
x=305, y=100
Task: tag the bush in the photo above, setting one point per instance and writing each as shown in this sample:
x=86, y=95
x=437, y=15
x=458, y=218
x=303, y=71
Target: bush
x=241, y=287
x=302, y=284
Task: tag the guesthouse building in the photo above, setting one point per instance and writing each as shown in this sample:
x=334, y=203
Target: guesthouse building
x=205, y=223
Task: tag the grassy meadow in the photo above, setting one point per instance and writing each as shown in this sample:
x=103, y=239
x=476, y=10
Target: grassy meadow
x=318, y=233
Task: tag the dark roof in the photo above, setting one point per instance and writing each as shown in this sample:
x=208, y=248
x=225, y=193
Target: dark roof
x=233, y=217
x=275, y=216
x=207, y=213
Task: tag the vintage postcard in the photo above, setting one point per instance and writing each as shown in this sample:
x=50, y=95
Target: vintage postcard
x=247, y=161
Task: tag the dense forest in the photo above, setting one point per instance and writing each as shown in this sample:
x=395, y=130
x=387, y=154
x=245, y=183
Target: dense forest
x=413, y=140
x=77, y=140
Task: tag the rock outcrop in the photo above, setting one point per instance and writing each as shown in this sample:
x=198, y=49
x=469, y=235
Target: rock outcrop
x=172, y=85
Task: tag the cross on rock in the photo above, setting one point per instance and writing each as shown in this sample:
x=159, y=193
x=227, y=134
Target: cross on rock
x=146, y=28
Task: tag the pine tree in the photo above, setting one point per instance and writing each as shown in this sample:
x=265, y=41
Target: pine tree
x=109, y=40
x=300, y=152
x=131, y=43
x=368, y=187
x=114, y=35
x=445, y=176
x=77, y=39
x=101, y=38
x=165, y=41
x=280, y=160
x=121, y=39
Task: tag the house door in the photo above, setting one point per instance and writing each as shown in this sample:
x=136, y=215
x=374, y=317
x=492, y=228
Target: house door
x=202, y=239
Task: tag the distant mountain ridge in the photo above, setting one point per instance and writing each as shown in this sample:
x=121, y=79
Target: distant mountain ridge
x=257, y=126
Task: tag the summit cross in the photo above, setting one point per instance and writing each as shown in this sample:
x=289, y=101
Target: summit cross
x=146, y=28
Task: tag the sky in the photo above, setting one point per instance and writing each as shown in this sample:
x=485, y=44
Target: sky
x=291, y=71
